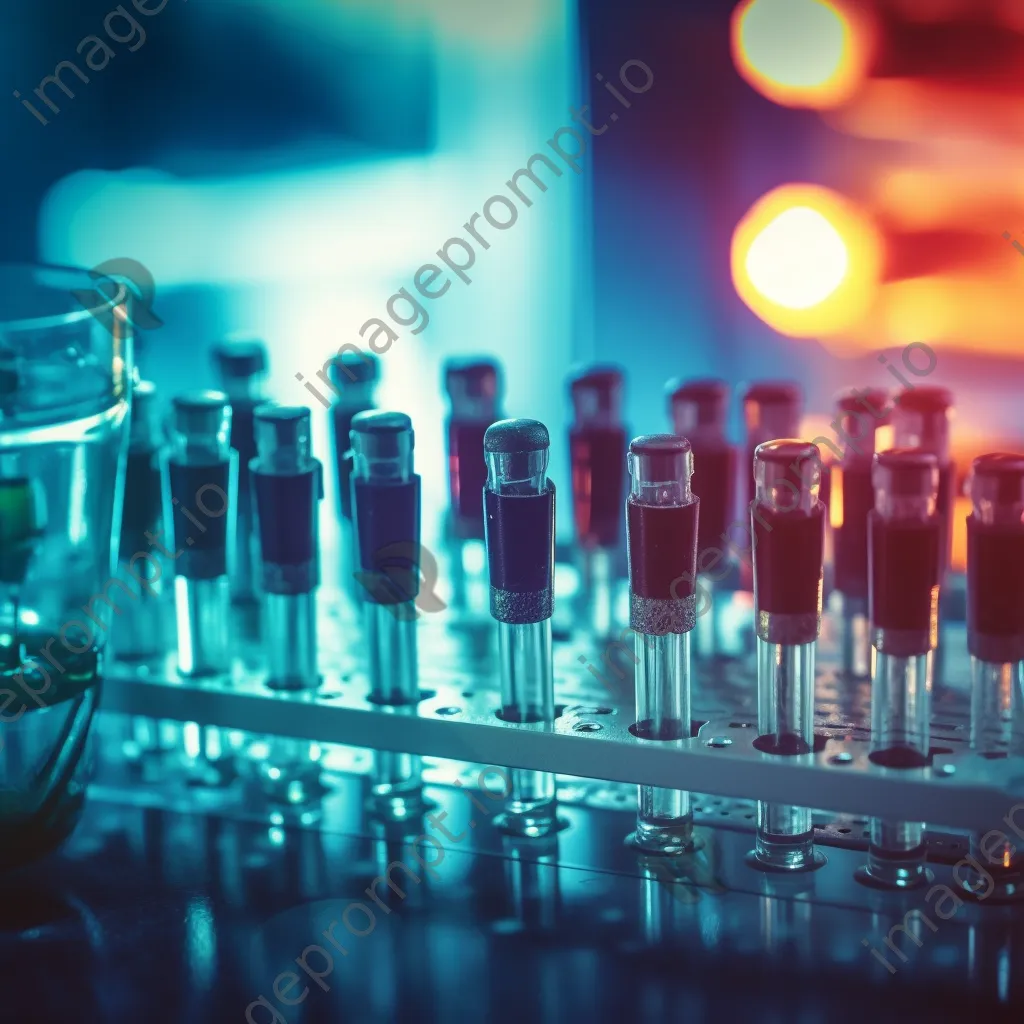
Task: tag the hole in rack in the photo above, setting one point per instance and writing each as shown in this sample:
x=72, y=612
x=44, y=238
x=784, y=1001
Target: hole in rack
x=841, y=759
x=718, y=742
x=512, y=715
x=449, y=712
x=844, y=831
x=670, y=730
x=587, y=727
x=741, y=725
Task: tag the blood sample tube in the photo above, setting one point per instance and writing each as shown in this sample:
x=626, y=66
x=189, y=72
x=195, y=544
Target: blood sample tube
x=597, y=448
x=921, y=419
x=859, y=415
x=519, y=530
x=386, y=513
x=788, y=527
x=287, y=487
x=661, y=526
x=242, y=364
x=200, y=481
x=995, y=636
x=138, y=632
x=474, y=392
x=699, y=409
x=904, y=531
x=771, y=409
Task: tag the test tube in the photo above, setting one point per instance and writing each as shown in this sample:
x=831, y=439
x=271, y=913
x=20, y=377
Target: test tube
x=788, y=527
x=200, y=482
x=288, y=486
x=519, y=510
x=242, y=365
x=904, y=535
x=860, y=415
x=995, y=637
x=661, y=526
x=386, y=513
x=699, y=409
x=138, y=632
x=597, y=447
x=474, y=392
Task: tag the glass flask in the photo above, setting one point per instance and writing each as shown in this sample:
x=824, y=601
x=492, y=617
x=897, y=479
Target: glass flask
x=65, y=390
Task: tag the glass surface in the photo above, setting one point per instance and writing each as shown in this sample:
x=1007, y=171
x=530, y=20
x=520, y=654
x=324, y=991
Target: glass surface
x=65, y=386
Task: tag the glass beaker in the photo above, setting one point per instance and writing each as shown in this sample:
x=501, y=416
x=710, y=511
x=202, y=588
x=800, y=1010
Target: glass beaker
x=65, y=390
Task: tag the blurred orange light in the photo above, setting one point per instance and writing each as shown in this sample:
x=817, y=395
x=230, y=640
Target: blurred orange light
x=961, y=510
x=801, y=53
x=806, y=260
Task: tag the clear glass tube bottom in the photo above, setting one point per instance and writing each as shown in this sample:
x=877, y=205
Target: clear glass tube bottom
x=664, y=822
x=528, y=695
x=900, y=738
x=396, y=790
x=785, y=725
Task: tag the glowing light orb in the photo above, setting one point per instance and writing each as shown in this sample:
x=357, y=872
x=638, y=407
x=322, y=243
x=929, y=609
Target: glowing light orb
x=798, y=260
x=802, y=53
x=806, y=260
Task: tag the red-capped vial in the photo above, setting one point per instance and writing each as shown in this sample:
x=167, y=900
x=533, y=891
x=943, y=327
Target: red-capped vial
x=662, y=516
x=995, y=640
x=921, y=418
x=788, y=527
x=904, y=535
x=771, y=409
x=597, y=447
x=859, y=416
x=699, y=410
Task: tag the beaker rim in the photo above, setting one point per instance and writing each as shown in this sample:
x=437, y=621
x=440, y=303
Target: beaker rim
x=36, y=296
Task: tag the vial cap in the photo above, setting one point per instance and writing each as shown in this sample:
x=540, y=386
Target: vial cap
x=240, y=357
x=516, y=436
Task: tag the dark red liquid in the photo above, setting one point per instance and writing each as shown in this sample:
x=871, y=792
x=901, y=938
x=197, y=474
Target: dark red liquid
x=598, y=484
x=662, y=549
x=995, y=579
x=467, y=474
x=851, y=539
x=714, y=481
x=789, y=549
x=904, y=560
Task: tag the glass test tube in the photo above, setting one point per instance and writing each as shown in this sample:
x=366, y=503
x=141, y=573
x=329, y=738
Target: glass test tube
x=519, y=505
x=386, y=513
x=788, y=527
x=597, y=447
x=662, y=524
x=242, y=366
x=287, y=488
x=859, y=416
x=200, y=483
x=474, y=390
x=904, y=536
x=699, y=411
x=995, y=637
